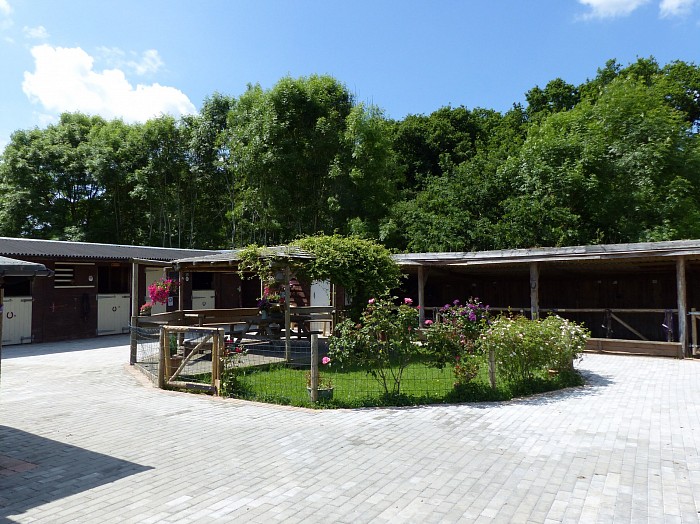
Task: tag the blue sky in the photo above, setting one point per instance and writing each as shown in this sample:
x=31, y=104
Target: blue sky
x=133, y=59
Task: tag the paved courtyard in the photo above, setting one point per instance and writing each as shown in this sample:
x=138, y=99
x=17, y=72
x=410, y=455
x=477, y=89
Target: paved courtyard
x=85, y=439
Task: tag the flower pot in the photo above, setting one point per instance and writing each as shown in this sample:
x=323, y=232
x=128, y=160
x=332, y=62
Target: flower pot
x=323, y=393
x=145, y=313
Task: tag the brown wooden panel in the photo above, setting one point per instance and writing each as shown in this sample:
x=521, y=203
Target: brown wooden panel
x=633, y=347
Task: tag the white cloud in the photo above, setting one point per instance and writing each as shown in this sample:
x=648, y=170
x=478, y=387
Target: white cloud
x=148, y=62
x=617, y=8
x=670, y=8
x=5, y=8
x=611, y=8
x=64, y=80
x=39, y=32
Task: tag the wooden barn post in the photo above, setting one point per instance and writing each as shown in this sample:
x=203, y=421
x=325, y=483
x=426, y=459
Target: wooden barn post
x=682, y=307
x=134, y=311
x=287, y=313
x=534, y=291
x=2, y=312
x=421, y=296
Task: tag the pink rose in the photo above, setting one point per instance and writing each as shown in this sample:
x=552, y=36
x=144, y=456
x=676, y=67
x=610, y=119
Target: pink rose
x=325, y=360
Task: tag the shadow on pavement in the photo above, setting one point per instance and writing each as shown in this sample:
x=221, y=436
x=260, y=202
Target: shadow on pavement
x=49, y=348
x=35, y=470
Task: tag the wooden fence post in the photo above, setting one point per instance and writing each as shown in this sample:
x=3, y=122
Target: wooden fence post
x=134, y=312
x=492, y=368
x=314, y=367
x=217, y=348
x=162, y=360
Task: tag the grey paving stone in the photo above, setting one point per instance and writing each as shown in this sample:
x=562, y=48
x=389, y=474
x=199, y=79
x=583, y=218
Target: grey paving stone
x=108, y=447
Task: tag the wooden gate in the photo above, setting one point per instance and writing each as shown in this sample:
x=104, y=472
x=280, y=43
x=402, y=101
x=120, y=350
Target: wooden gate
x=188, y=353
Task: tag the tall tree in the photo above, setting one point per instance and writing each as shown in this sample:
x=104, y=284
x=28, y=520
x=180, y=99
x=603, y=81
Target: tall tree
x=612, y=170
x=51, y=173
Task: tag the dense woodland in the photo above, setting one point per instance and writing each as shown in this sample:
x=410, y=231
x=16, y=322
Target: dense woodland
x=616, y=159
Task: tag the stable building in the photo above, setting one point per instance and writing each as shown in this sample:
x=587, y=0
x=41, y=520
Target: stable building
x=89, y=292
x=641, y=297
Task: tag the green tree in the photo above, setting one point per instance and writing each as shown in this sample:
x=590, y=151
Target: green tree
x=613, y=170
x=362, y=267
x=50, y=189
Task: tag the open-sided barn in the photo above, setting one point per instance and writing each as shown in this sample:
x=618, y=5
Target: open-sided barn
x=646, y=292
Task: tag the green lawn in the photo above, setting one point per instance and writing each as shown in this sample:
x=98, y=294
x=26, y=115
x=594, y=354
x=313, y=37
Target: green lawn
x=420, y=384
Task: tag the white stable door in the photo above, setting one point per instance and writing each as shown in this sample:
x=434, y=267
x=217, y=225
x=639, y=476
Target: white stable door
x=17, y=320
x=113, y=311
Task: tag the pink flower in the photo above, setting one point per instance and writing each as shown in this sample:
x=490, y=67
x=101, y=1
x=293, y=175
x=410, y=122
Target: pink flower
x=325, y=360
x=371, y=301
x=407, y=301
x=428, y=322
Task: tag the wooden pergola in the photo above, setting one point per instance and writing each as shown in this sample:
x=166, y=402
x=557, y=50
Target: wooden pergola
x=279, y=258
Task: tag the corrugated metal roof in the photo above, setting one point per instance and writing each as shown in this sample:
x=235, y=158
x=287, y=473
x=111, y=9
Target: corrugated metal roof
x=9, y=267
x=86, y=250
x=552, y=254
x=233, y=256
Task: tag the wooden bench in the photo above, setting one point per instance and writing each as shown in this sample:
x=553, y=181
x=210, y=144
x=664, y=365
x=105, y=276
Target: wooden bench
x=305, y=316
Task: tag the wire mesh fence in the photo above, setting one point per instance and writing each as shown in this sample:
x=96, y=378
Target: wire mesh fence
x=147, y=350
x=258, y=370
x=264, y=370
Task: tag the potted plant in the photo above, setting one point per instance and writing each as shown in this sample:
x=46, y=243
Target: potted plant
x=324, y=384
x=271, y=302
x=160, y=290
x=145, y=310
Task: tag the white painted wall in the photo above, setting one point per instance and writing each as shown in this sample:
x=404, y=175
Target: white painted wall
x=320, y=296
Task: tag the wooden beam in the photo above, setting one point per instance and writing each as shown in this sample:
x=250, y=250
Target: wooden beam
x=630, y=328
x=287, y=314
x=682, y=306
x=2, y=314
x=421, y=296
x=180, y=291
x=694, y=317
x=133, y=339
x=534, y=290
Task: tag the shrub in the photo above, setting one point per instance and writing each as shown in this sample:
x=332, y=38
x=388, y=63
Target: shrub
x=524, y=347
x=451, y=340
x=566, y=341
x=383, y=342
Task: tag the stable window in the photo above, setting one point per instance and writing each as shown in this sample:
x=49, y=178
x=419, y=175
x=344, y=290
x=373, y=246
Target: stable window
x=113, y=279
x=17, y=287
x=202, y=281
